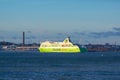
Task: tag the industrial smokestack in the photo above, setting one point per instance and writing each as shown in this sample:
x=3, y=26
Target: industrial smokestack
x=23, y=38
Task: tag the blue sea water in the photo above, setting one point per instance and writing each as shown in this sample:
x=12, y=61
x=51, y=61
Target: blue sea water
x=33, y=65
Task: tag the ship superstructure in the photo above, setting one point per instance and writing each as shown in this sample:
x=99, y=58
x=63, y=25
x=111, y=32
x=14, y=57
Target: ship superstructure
x=65, y=46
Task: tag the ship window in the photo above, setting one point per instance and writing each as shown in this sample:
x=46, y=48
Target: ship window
x=66, y=45
x=43, y=45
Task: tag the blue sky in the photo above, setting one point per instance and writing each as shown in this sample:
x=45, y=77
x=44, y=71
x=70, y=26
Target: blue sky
x=85, y=21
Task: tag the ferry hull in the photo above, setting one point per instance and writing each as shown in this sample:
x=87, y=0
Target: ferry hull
x=68, y=50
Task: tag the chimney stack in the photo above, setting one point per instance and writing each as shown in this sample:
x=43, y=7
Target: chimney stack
x=23, y=38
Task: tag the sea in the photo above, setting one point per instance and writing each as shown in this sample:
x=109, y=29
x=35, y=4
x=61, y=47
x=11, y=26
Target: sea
x=33, y=65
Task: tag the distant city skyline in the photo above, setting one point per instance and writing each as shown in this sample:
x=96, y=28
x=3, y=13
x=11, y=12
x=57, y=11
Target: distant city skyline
x=85, y=21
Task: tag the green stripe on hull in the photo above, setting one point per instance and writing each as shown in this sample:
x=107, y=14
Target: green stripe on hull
x=72, y=49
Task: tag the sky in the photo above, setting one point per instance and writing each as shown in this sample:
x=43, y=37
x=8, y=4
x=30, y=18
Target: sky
x=85, y=21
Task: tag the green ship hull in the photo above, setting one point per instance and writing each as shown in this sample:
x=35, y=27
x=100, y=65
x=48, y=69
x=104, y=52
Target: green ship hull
x=70, y=49
x=83, y=50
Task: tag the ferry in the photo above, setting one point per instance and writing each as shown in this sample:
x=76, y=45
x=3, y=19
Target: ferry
x=65, y=46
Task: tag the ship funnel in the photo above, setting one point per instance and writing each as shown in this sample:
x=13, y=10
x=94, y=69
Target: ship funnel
x=67, y=40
